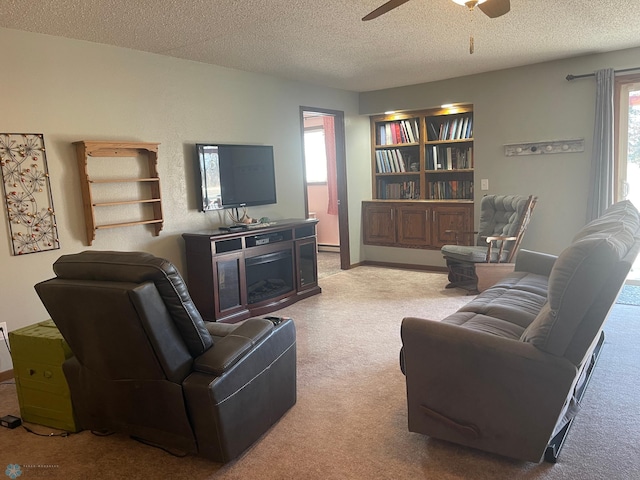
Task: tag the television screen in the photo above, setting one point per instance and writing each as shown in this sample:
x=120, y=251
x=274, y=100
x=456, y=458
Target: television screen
x=235, y=175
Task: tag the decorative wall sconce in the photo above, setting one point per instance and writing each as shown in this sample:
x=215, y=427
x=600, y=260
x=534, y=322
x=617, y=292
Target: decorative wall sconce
x=539, y=148
x=27, y=193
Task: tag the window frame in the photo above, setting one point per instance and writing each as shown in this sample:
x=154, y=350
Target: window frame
x=621, y=132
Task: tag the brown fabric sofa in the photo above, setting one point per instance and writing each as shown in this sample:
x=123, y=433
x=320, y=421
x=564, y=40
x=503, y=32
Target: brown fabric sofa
x=504, y=373
x=147, y=365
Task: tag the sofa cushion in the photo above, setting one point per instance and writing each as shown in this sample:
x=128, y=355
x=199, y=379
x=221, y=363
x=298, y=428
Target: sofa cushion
x=486, y=324
x=140, y=267
x=620, y=215
x=505, y=309
x=577, y=279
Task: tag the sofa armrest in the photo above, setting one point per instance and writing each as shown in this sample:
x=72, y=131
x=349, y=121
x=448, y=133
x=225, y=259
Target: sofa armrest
x=482, y=390
x=228, y=350
x=535, y=262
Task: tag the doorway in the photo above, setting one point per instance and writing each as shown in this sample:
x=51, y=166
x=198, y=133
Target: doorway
x=324, y=169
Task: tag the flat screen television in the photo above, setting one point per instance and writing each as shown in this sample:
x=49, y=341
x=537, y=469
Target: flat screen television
x=232, y=176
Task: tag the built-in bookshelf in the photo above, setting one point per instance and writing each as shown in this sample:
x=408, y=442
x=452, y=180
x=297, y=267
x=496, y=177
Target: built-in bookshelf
x=422, y=164
x=423, y=155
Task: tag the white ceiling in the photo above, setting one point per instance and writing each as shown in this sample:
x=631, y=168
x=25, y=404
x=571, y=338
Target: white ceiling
x=326, y=43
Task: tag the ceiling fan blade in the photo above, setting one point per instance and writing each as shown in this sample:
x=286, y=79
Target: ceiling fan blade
x=390, y=5
x=495, y=8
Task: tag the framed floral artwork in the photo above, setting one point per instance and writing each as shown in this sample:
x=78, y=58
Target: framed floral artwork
x=27, y=193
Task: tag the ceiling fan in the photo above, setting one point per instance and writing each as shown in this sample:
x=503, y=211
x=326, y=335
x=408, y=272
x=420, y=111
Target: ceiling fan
x=491, y=8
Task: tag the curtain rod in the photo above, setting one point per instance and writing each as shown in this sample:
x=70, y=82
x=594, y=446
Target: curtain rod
x=573, y=77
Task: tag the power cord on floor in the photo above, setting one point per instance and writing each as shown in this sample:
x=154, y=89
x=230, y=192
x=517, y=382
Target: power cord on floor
x=179, y=454
x=4, y=337
x=51, y=434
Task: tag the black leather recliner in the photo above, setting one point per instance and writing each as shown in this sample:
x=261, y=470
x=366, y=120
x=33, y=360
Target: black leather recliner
x=146, y=364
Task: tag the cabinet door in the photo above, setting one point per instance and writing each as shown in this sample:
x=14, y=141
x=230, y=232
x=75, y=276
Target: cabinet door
x=229, y=280
x=451, y=217
x=306, y=263
x=378, y=223
x=414, y=225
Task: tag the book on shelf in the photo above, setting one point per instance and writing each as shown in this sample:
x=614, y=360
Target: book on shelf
x=453, y=129
x=432, y=133
x=397, y=132
x=395, y=165
x=465, y=127
x=401, y=162
x=382, y=135
x=391, y=160
x=414, y=130
x=407, y=190
x=458, y=128
x=408, y=131
x=378, y=162
x=440, y=157
x=450, y=190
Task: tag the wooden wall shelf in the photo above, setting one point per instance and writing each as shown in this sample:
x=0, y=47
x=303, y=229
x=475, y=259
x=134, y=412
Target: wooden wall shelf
x=102, y=149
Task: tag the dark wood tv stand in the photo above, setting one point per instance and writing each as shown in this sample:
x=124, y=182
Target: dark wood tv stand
x=237, y=275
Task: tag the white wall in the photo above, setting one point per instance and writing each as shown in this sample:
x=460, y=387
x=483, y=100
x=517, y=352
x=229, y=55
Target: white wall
x=72, y=90
x=531, y=103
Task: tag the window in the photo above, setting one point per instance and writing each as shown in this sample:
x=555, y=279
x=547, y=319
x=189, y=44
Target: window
x=628, y=141
x=628, y=149
x=315, y=155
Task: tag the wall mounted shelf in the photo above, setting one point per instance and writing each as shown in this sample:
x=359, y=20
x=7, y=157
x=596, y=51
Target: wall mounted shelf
x=548, y=147
x=143, y=159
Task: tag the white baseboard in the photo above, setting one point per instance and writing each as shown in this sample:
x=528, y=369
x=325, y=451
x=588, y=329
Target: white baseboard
x=329, y=248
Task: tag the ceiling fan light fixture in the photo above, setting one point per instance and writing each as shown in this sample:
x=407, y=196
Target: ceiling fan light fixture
x=466, y=2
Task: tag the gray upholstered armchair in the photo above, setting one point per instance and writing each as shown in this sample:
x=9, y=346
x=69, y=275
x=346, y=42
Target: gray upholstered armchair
x=503, y=222
x=147, y=365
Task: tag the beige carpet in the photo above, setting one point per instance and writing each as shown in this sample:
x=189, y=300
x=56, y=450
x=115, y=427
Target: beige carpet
x=350, y=419
x=328, y=264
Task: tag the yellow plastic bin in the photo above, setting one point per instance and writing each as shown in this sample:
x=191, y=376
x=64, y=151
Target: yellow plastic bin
x=38, y=352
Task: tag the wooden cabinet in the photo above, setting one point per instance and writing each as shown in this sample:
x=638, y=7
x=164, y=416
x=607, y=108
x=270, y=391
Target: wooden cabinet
x=229, y=295
x=132, y=186
x=414, y=224
x=233, y=276
x=455, y=217
x=379, y=223
x=422, y=164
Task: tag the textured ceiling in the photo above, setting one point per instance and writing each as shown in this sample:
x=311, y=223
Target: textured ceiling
x=326, y=43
